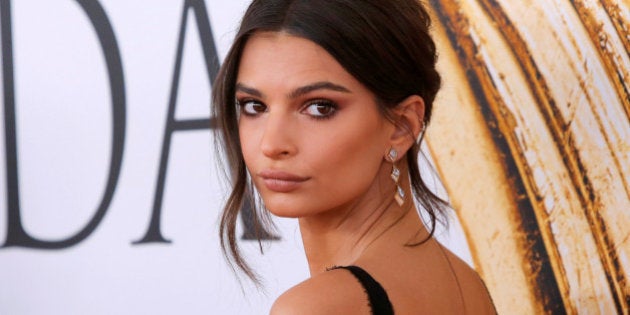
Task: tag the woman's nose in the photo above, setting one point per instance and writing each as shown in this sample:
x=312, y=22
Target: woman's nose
x=278, y=135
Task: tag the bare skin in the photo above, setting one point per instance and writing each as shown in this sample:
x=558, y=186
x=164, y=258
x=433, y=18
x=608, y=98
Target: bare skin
x=316, y=147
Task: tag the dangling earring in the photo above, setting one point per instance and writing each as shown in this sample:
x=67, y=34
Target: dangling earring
x=399, y=195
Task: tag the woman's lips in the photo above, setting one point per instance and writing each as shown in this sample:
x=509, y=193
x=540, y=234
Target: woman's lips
x=279, y=181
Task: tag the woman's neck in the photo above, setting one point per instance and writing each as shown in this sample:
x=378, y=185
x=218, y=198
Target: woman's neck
x=340, y=236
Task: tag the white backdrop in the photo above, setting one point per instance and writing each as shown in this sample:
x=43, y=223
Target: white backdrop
x=64, y=140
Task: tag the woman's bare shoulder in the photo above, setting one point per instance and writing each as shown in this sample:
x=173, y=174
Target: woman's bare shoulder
x=331, y=292
x=475, y=293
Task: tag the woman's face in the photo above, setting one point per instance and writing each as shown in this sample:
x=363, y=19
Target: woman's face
x=312, y=136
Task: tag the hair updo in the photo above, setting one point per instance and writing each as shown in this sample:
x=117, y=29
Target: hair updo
x=384, y=44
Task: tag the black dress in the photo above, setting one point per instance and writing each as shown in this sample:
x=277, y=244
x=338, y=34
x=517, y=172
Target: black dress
x=379, y=302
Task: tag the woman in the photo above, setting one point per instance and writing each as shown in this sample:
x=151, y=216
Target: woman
x=320, y=104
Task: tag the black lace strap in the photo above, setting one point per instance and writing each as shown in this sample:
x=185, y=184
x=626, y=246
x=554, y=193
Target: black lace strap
x=379, y=302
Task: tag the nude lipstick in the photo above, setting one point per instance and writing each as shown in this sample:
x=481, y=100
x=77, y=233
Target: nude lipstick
x=280, y=181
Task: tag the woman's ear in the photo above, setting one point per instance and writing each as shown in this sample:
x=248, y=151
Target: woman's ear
x=409, y=122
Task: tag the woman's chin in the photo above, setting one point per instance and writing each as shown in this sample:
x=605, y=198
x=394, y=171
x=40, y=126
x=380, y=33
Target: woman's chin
x=282, y=205
x=285, y=211
x=294, y=205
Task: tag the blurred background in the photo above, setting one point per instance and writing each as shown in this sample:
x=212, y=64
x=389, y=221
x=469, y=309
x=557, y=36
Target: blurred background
x=110, y=193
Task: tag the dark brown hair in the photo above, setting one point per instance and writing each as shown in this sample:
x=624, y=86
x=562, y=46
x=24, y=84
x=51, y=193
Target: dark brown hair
x=384, y=44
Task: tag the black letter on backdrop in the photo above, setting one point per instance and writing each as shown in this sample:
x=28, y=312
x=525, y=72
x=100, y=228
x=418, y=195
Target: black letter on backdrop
x=154, y=234
x=16, y=235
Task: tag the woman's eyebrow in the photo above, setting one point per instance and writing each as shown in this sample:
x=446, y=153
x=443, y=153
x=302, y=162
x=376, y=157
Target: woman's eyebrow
x=249, y=90
x=322, y=85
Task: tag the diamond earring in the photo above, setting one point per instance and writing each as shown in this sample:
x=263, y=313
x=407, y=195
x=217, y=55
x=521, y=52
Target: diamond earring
x=399, y=195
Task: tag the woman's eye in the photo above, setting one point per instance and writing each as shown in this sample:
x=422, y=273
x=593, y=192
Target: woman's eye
x=321, y=109
x=252, y=107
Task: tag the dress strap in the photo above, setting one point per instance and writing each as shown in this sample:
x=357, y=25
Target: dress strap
x=379, y=302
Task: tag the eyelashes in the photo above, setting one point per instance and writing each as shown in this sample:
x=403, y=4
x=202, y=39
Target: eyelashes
x=251, y=107
x=318, y=109
x=321, y=109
